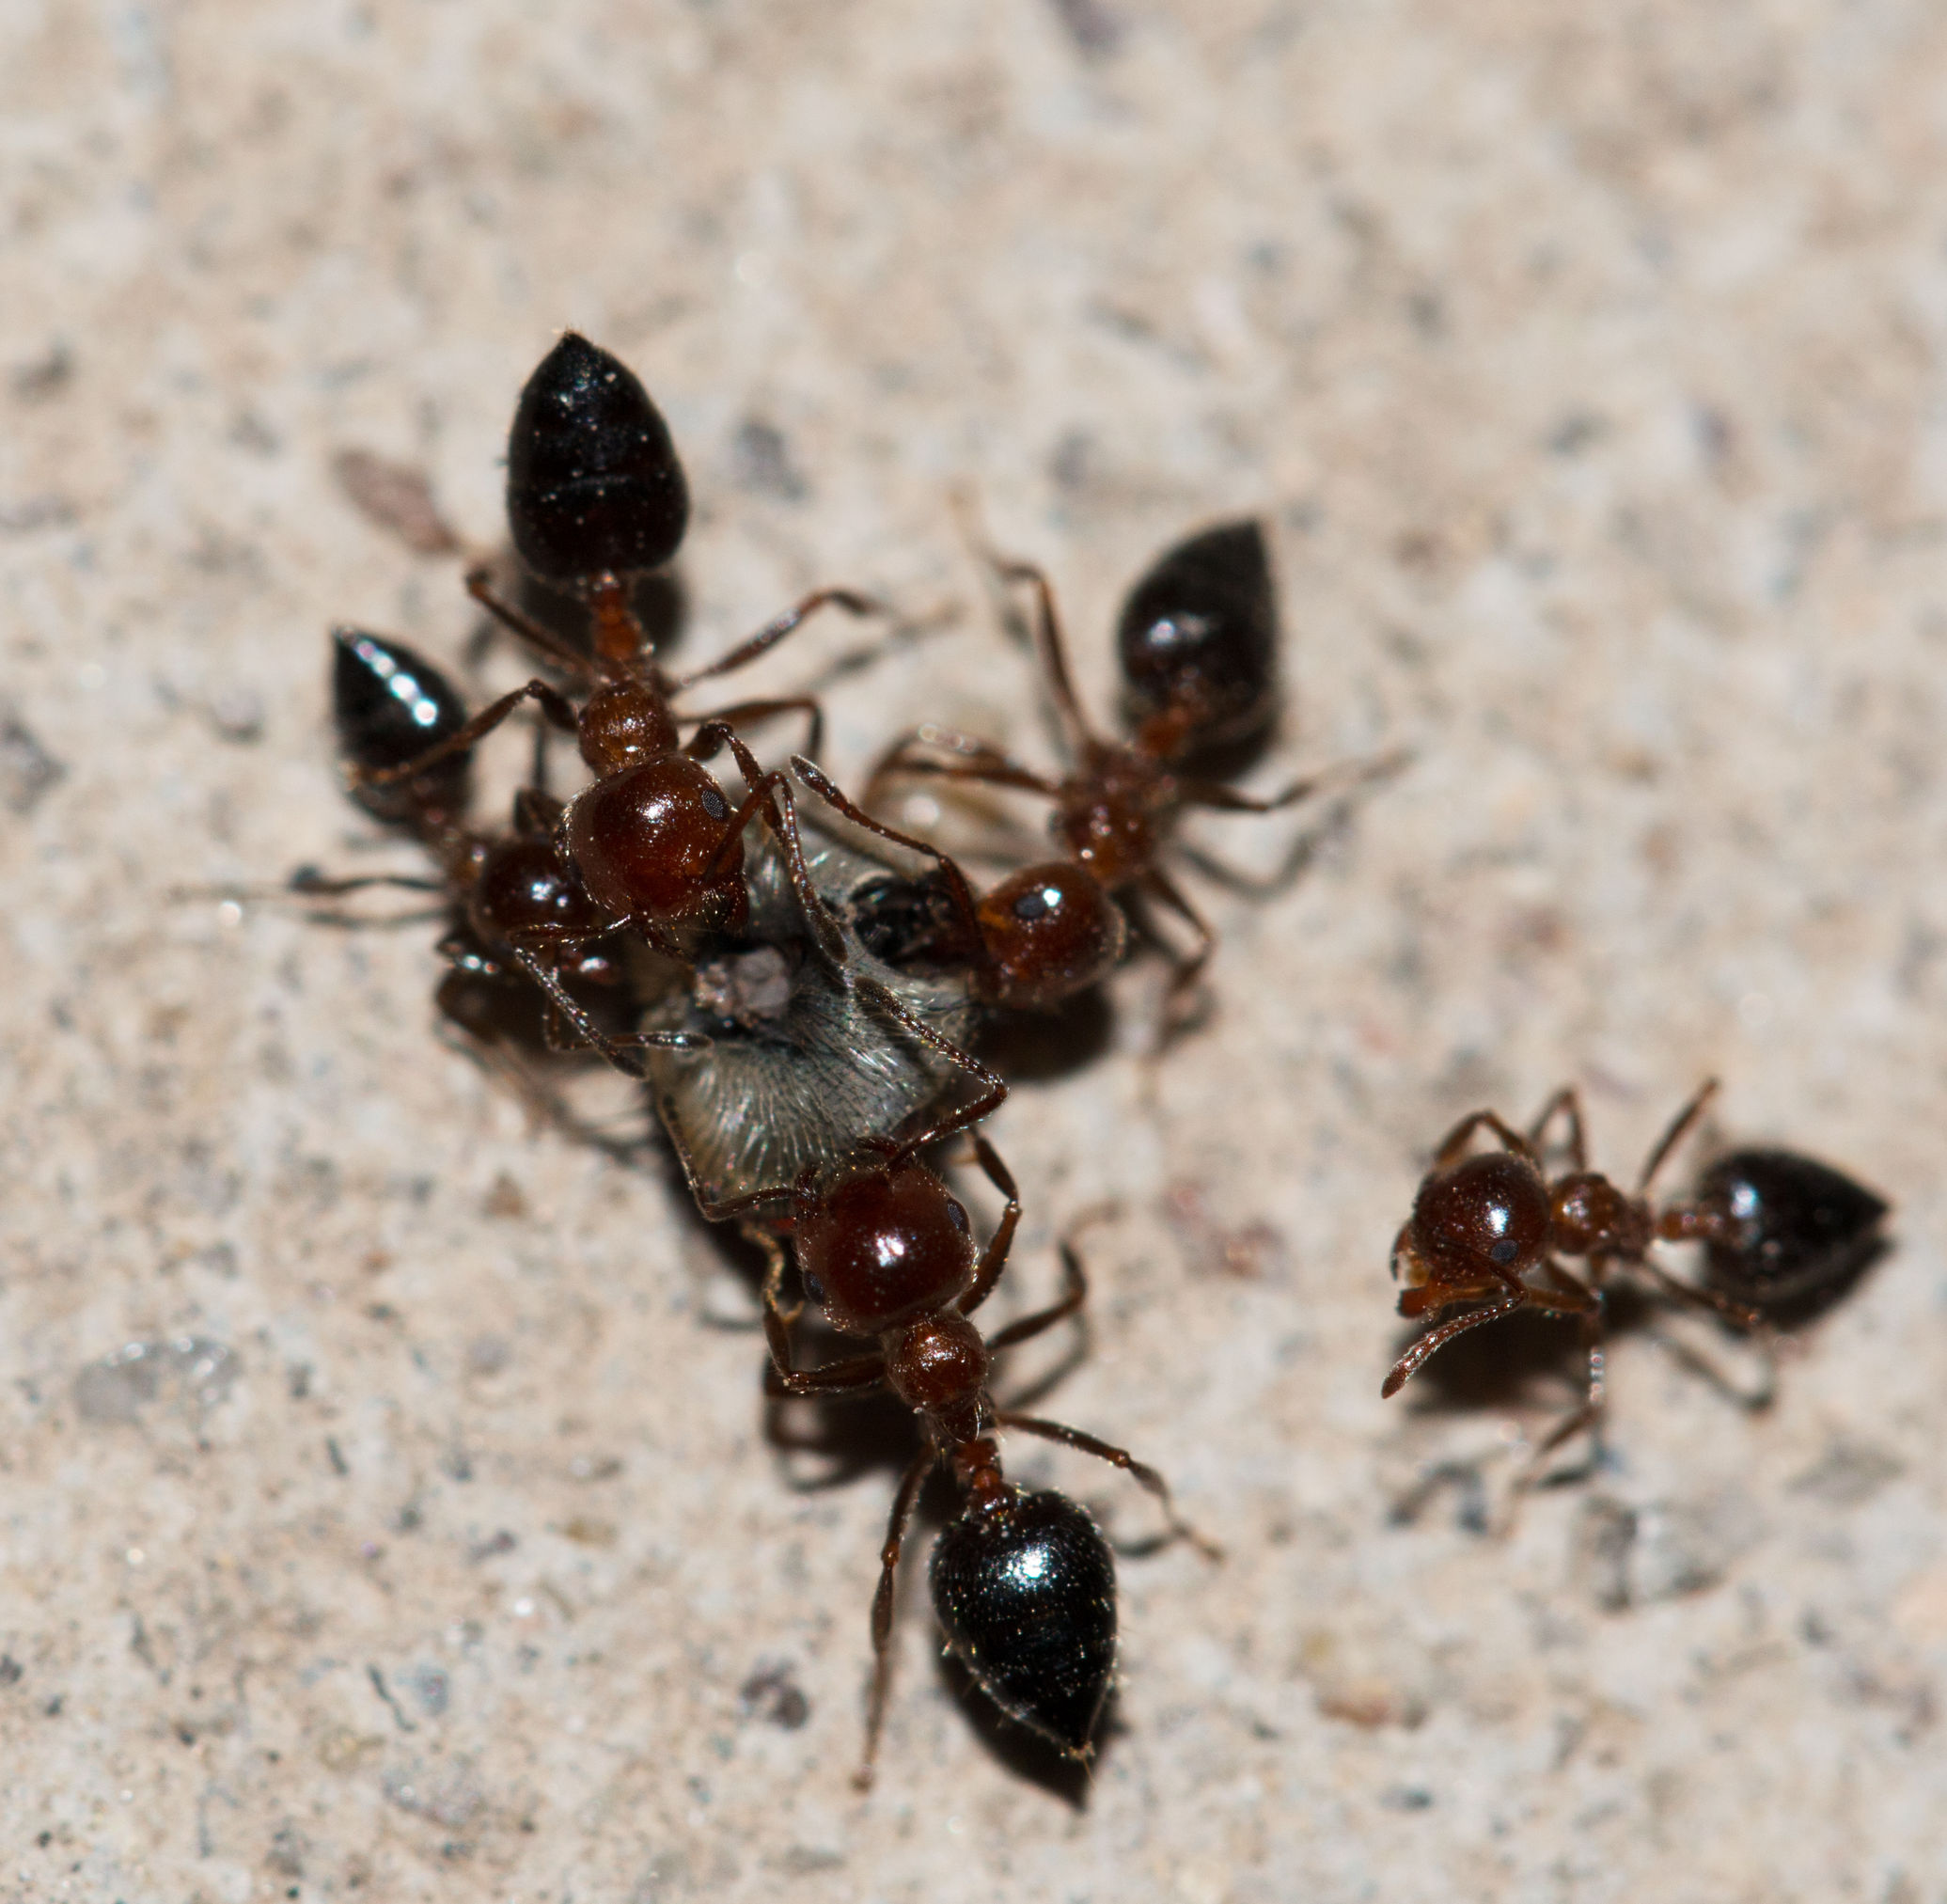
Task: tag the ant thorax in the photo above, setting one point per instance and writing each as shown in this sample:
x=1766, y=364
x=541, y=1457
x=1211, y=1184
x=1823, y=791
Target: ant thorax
x=800, y=1068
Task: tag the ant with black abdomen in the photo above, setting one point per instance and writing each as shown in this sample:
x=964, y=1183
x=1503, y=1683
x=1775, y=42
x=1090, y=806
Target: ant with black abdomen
x=1487, y=1229
x=595, y=496
x=1197, y=639
x=1023, y=1584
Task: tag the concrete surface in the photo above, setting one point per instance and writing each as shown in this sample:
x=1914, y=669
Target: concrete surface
x=1586, y=363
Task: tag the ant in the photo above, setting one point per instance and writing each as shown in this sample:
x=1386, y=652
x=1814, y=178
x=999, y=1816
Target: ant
x=1022, y=1582
x=1040, y=937
x=390, y=707
x=595, y=496
x=1488, y=1228
x=1198, y=644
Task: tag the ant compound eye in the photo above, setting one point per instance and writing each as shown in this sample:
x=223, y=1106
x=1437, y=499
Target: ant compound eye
x=814, y=1289
x=957, y=1215
x=715, y=803
x=1504, y=1252
x=1036, y=904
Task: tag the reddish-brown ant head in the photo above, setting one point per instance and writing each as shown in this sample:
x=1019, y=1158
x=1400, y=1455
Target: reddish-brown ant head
x=625, y=722
x=1472, y=1228
x=593, y=484
x=526, y=895
x=648, y=843
x=1198, y=639
x=881, y=1248
x=1590, y=1214
x=1049, y=932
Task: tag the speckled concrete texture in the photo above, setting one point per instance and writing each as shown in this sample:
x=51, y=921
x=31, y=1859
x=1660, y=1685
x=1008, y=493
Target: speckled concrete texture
x=387, y=1503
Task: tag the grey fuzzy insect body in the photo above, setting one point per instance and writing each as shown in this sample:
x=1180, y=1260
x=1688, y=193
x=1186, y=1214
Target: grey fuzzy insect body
x=800, y=1065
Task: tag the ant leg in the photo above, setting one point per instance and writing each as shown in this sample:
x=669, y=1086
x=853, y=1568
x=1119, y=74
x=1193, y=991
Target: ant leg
x=1720, y=1306
x=976, y=760
x=1158, y=885
x=1074, y=1296
x=1679, y=1129
x=1423, y=1346
x=1457, y=1140
x=742, y=710
x=904, y=1503
x=1754, y=1400
x=985, y=1105
x=311, y=884
x=1587, y=1414
x=773, y=1247
x=479, y=586
x=774, y=790
x=993, y=1258
x=1140, y=1472
x=957, y=887
x=783, y=1379
x=615, y=1049
x=775, y=631
x=1341, y=777
x=1739, y=1316
x=1048, y=639
x=1567, y=1102
x=553, y=704
x=1580, y=1300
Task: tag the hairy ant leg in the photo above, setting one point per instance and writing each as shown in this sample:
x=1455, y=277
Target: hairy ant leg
x=994, y=1086
x=772, y=792
x=974, y=759
x=1680, y=1126
x=741, y=712
x=885, y=1603
x=993, y=1258
x=1052, y=647
x=1074, y=1293
x=1457, y=1140
x=1145, y=1477
x=1567, y=1104
x=554, y=705
x=776, y=629
x=1186, y=971
x=592, y=1035
x=307, y=882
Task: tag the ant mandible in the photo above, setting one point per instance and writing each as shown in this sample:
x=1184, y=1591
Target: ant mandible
x=595, y=496
x=1197, y=640
x=1022, y=1582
